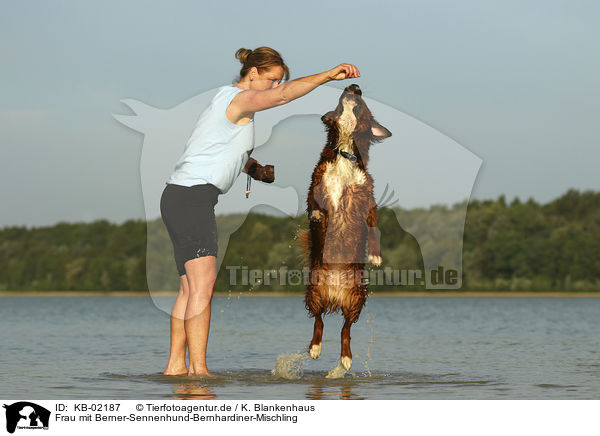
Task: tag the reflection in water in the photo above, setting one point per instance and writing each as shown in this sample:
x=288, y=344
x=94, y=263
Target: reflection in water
x=327, y=391
x=312, y=385
x=193, y=391
x=317, y=387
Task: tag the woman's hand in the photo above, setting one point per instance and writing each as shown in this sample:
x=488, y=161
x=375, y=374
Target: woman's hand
x=343, y=71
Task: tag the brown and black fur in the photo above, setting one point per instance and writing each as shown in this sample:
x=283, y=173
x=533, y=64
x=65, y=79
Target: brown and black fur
x=342, y=219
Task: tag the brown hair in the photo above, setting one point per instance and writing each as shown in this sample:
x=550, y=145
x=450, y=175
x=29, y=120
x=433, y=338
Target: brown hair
x=262, y=58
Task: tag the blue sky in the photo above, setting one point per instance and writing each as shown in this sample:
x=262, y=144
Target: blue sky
x=516, y=83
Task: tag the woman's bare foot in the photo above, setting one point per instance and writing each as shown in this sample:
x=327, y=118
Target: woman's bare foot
x=201, y=372
x=176, y=369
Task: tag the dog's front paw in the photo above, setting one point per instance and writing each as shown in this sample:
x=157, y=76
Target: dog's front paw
x=375, y=260
x=315, y=351
x=347, y=362
x=316, y=215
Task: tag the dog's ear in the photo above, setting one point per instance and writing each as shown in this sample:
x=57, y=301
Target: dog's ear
x=379, y=132
x=329, y=118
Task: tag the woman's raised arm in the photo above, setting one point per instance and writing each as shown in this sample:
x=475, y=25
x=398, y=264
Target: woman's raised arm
x=250, y=101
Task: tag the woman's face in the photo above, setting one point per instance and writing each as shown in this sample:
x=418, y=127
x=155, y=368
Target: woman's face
x=269, y=78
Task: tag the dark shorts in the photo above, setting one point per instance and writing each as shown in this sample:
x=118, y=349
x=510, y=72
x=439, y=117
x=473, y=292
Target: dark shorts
x=189, y=216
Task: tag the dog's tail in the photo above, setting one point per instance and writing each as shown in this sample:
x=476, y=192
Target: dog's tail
x=303, y=241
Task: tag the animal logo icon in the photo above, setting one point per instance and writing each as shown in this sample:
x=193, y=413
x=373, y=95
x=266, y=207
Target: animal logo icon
x=419, y=165
x=27, y=415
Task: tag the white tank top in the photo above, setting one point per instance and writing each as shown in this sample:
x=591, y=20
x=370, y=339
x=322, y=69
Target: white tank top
x=217, y=149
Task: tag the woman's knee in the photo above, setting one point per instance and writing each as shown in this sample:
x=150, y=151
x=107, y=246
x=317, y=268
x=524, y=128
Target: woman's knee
x=201, y=275
x=184, y=287
x=204, y=284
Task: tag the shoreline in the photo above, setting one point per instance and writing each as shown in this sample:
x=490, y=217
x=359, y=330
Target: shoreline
x=250, y=294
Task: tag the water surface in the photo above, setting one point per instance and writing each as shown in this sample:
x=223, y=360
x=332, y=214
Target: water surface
x=404, y=348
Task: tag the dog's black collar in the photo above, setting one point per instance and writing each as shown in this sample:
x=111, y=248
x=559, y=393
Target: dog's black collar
x=351, y=157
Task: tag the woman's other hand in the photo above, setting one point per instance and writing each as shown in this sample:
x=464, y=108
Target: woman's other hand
x=343, y=71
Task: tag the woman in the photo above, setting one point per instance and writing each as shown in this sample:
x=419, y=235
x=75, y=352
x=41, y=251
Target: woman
x=217, y=151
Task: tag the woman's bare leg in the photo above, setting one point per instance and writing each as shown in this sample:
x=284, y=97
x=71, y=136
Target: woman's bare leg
x=201, y=274
x=176, y=363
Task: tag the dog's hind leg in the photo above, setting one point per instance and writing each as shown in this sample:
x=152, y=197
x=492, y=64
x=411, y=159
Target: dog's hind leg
x=314, y=304
x=351, y=313
x=315, y=345
x=346, y=355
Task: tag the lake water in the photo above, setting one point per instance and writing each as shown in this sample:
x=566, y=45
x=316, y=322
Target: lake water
x=404, y=348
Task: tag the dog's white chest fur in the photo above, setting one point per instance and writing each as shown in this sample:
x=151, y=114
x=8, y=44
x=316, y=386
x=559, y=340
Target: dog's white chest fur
x=339, y=174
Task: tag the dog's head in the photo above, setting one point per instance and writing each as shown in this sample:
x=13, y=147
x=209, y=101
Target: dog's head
x=353, y=118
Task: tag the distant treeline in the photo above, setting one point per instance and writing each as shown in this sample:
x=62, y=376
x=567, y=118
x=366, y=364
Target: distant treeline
x=516, y=246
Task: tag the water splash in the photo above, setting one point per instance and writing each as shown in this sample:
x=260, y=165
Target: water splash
x=371, y=322
x=222, y=314
x=289, y=366
x=255, y=285
x=337, y=372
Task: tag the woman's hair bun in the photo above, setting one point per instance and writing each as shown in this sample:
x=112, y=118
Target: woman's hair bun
x=261, y=58
x=242, y=54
